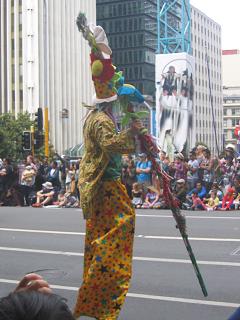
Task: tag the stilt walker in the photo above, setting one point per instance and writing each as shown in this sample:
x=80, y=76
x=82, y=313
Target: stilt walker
x=104, y=200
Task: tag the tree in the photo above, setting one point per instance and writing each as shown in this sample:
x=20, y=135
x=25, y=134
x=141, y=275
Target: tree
x=11, y=129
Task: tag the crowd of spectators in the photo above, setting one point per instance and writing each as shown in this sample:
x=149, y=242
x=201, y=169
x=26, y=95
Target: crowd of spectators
x=38, y=183
x=199, y=180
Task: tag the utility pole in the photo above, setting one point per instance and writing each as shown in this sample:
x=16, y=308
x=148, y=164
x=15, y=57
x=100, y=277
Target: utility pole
x=46, y=132
x=32, y=139
x=46, y=82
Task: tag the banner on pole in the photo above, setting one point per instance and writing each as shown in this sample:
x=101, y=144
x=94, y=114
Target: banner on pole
x=174, y=101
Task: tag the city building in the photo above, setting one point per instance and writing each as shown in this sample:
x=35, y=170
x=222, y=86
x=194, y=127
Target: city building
x=231, y=94
x=206, y=44
x=45, y=63
x=11, y=62
x=132, y=31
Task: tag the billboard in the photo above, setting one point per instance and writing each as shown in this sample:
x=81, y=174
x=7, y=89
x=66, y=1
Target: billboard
x=174, y=101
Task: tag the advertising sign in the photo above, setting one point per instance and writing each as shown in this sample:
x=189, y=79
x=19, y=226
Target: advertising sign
x=174, y=100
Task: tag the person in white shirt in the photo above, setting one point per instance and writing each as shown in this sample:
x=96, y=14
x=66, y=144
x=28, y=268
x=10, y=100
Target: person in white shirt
x=192, y=174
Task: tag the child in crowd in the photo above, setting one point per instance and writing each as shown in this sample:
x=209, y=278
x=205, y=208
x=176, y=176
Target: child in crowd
x=61, y=199
x=236, y=202
x=67, y=200
x=197, y=203
x=227, y=201
x=137, y=193
x=72, y=201
x=212, y=202
x=152, y=199
x=216, y=188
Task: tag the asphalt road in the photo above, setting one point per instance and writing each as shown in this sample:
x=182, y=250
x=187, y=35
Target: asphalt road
x=164, y=285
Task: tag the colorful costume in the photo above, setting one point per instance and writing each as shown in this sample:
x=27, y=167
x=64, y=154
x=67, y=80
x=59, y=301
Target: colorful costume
x=110, y=229
x=104, y=200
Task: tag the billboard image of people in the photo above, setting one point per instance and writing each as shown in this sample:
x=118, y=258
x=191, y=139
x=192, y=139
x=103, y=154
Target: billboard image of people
x=174, y=100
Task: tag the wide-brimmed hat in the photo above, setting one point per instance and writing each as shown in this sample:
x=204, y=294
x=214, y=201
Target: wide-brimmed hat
x=181, y=181
x=230, y=147
x=152, y=188
x=179, y=156
x=47, y=185
x=142, y=155
x=28, y=167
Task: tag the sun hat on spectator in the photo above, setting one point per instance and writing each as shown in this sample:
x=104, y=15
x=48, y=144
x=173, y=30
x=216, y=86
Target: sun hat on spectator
x=152, y=188
x=181, y=181
x=28, y=167
x=142, y=155
x=230, y=147
x=180, y=156
x=47, y=185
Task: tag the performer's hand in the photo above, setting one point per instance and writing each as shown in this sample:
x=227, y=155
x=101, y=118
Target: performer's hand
x=136, y=126
x=34, y=282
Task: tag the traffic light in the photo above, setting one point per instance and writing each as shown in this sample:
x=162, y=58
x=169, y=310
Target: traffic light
x=39, y=120
x=39, y=139
x=26, y=141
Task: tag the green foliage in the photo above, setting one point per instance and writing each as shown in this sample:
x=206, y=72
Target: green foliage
x=40, y=153
x=133, y=115
x=11, y=129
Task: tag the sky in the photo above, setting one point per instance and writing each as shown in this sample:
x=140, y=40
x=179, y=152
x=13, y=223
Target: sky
x=227, y=14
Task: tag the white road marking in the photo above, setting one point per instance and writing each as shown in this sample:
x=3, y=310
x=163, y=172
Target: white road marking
x=187, y=217
x=236, y=251
x=147, y=296
x=64, y=253
x=193, y=239
x=147, y=259
x=71, y=233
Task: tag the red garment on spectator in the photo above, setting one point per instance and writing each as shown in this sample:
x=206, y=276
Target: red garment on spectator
x=227, y=201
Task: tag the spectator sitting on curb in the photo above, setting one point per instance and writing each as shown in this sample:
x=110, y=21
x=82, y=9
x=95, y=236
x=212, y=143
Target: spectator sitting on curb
x=152, y=199
x=45, y=196
x=137, y=195
x=227, y=201
x=216, y=188
x=212, y=202
x=197, y=203
x=200, y=189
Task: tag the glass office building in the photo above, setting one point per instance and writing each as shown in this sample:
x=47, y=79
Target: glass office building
x=131, y=27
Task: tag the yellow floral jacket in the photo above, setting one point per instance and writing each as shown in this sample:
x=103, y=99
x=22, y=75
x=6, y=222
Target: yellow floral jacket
x=100, y=140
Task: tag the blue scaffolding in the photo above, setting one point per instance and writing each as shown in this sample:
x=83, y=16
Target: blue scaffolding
x=174, y=26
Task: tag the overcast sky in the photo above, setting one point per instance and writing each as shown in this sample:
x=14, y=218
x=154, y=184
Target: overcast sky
x=227, y=14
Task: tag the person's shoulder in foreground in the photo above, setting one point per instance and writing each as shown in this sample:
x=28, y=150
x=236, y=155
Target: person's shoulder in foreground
x=33, y=300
